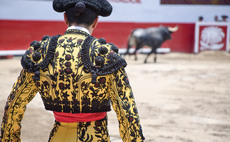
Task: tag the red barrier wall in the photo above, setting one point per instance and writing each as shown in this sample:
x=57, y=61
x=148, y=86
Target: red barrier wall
x=17, y=35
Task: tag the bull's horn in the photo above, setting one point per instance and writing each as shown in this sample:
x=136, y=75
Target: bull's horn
x=173, y=29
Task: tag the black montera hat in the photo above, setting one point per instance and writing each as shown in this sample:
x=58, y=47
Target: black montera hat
x=101, y=7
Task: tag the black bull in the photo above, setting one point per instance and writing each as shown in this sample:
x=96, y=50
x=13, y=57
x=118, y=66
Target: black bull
x=152, y=37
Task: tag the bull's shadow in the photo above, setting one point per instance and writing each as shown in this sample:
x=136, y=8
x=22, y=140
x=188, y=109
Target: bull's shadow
x=152, y=37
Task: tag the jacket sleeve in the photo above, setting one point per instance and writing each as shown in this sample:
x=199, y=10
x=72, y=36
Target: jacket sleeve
x=124, y=105
x=22, y=93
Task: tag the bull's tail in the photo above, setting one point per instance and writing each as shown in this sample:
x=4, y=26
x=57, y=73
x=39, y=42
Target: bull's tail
x=131, y=42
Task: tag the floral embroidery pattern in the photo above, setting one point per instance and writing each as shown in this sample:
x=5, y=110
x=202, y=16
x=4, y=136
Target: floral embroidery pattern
x=22, y=93
x=129, y=123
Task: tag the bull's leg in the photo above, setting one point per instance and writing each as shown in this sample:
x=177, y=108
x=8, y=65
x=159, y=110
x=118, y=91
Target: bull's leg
x=137, y=48
x=147, y=56
x=152, y=51
x=131, y=42
x=128, y=47
x=135, y=54
x=155, y=57
x=155, y=54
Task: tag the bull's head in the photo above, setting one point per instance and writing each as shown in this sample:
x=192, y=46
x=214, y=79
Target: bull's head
x=168, y=32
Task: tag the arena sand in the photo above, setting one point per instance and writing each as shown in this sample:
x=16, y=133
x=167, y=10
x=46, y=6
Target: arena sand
x=181, y=98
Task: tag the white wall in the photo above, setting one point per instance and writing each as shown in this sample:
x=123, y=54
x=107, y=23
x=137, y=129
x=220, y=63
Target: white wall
x=147, y=11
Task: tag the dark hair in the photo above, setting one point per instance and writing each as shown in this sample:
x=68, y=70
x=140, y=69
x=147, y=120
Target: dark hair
x=200, y=18
x=80, y=14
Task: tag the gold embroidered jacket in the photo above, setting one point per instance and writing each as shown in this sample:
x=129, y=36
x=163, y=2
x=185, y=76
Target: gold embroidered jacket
x=74, y=73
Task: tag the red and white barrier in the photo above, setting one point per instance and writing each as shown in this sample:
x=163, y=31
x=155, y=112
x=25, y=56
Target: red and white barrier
x=23, y=21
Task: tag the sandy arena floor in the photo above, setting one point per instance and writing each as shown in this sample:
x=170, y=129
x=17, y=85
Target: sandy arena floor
x=182, y=98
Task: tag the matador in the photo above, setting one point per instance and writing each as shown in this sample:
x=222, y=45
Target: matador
x=79, y=78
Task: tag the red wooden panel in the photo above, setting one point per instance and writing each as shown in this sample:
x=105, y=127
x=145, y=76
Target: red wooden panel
x=17, y=35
